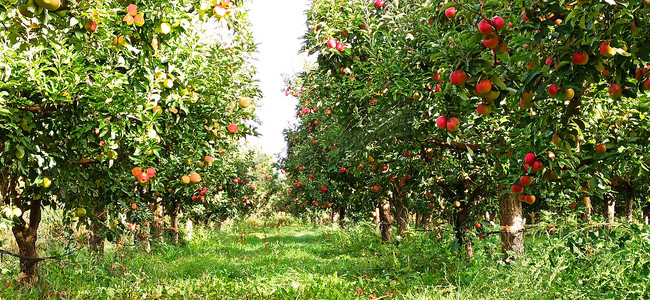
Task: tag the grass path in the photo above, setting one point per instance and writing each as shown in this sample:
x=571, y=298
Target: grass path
x=294, y=262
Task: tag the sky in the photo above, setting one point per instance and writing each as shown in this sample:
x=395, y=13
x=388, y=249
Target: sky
x=277, y=29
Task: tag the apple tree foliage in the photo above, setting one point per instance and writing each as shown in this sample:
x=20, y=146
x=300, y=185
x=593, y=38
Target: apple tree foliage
x=90, y=90
x=390, y=80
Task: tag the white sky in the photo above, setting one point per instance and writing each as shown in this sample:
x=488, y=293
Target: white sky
x=277, y=28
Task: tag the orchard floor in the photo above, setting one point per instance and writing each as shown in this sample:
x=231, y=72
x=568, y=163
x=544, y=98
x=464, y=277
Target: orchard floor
x=300, y=261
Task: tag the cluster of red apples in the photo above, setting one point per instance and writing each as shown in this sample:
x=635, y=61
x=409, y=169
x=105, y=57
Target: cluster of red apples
x=143, y=176
x=532, y=166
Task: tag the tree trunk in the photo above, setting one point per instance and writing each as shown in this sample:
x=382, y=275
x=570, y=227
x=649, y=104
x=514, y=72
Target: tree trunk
x=588, y=208
x=97, y=240
x=26, y=236
x=342, y=212
x=375, y=215
x=646, y=216
x=469, y=249
x=610, y=208
x=511, y=219
x=386, y=222
x=401, y=211
x=629, y=209
x=173, y=215
x=158, y=223
x=461, y=230
x=143, y=240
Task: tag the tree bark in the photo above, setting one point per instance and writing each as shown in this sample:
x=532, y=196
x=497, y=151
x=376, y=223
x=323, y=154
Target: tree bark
x=26, y=235
x=158, y=223
x=97, y=240
x=401, y=211
x=342, y=212
x=143, y=240
x=512, y=227
x=386, y=222
x=610, y=208
x=173, y=215
x=629, y=209
x=646, y=216
x=588, y=208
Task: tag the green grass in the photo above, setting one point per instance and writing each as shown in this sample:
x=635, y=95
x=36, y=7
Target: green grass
x=304, y=262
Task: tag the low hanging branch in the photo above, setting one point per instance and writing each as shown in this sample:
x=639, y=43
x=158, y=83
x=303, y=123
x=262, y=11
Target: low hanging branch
x=455, y=145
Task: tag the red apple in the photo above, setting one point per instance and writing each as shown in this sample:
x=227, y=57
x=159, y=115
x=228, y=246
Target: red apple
x=331, y=43
x=581, y=58
x=491, y=41
x=553, y=89
x=151, y=172
x=136, y=172
x=517, y=189
x=601, y=149
x=441, y=122
x=375, y=188
x=232, y=128
x=498, y=22
x=453, y=124
x=379, y=3
x=530, y=158
x=615, y=91
x=530, y=199
x=525, y=180
x=458, y=77
x=143, y=178
x=537, y=166
x=606, y=50
x=484, y=109
x=483, y=87
x=342, y=170
x=450, y=12
x=484, y=27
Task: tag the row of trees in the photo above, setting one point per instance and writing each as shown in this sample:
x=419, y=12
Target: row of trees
x=451, y=110
x=112, y=107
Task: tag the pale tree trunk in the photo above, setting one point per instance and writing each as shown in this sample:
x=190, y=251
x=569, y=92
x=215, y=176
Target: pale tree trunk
x=629, y=209
x=386, y=222
x=588, y=208
x=401, y=211
x=511, y=219
x=97, y=240
x=610, y=208
x=158, y=223
x=26, y=235
x=173, y=215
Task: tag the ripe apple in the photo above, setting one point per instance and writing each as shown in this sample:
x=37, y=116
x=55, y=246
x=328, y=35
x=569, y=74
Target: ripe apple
x=498, y=22
x=138, y=20
x=379, y=3
x=343, y=170
x=328, y=111
x=490, y=41
x=525, y=180
x=151, y=172
x=530, y=199
x=646, y=84
x=530, y=158
x=132, y=9
x=339, y=46
x=483, y=87
x=50, y=5
x=91, y=25
x=331, y=43
x=195, y=178
x=185, y=179
x=477, y=225
x=484, y=109
x=553, y=89
x=601, y=149
x=232, y=128
x=581, y=58
x=244, y=102
x=450, y=12
x=517, y=189
x=458, y=77
x=522, y=197
x=428, y=195
x=537, y=166
x=384, y=168
x=208, y=159
x=453, y=124
x=143, y=178
x=606, y=50
x=569, y=94
x=615, y=91
x=375, y=188
x=136, y=172
x=441, y=122
x=484, y=27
